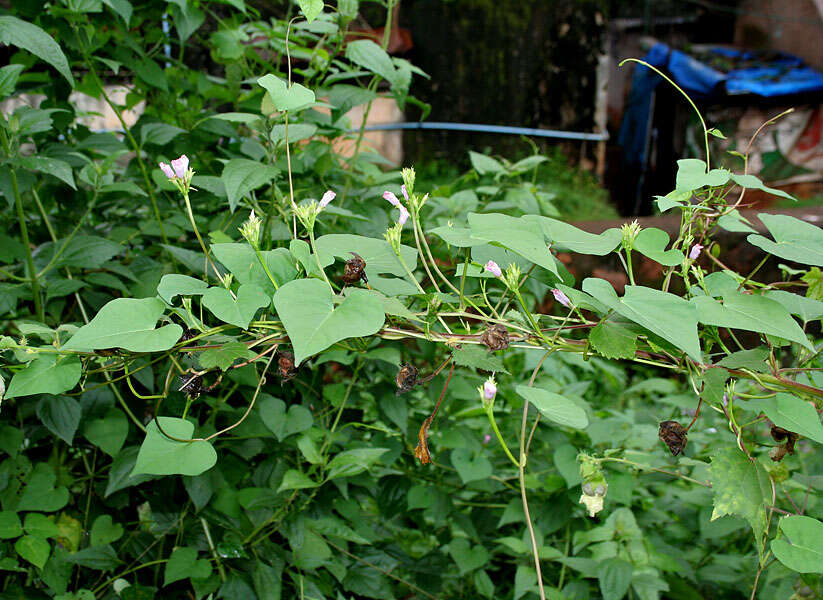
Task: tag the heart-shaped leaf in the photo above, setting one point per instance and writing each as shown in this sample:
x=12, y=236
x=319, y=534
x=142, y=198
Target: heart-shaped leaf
x=45, y=375
x=33, y=549
x=161, y=455
x=306, y=308
x=470, y=467
x=172, y=285
x=41, y=494
x=284, y=97
x=105, y=531
x=793, y=239
x=184, y=563
x=652, y=242
x=803, y=551
x=238, y=312
x=127, y=323
x=467, y=558
x=555, y=407
x=280, y=422
x=109, y=432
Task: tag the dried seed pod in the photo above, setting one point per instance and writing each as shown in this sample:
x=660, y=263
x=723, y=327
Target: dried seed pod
x=673, y=434
x=355, y=269
x=421, y=452
x=496, y=337
x=285, y=366
x=787, y=437
x=191, y=384
x=406, y=378
x=187, y=335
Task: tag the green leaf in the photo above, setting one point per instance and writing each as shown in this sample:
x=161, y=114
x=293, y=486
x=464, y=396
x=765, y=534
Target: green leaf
x=568, y=237
x=794, y=239
x=803, y=551
x=792, y=413
x=241, y=176
x=754, y=360
x=469, y=466
x=372, y=57
x=613, y=340
x=33, y=39
x=8, y=79
x=753, y=183
x=692, y=175
x=9, y=525
x=121, y=7
x=735, y=222
x=224, y=356
x=311, y=8
x=33, y=549
x=49, y=166
x=105, y=531
x=127, y=323
x=519, y=234
x=297, y=132
x=312, y=321
x=486, y=165
x=741, y=487
x=353, y=462
x=295, y=480
x=183, y=563
x=159, y=134
x=476, y=357
x=293, y=98
x=41, y=526
x=108, y=433
x=172, y=285
x=378, y=254
x=241, y=260
x=750, y=313
x=652, y=242
x=460, y=237
x=240, y=311
x=40, y=493
x=280, y=422
x=99, y=558
x=160, y=455
x=667, y=315
x=467, y=558
x=46, y=374
x=555, y=407
x=615, y=577
x=61, y=415
x=808, y=309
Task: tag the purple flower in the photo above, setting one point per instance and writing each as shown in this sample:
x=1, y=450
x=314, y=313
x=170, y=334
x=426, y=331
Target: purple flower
x=392, y=199
x=489, y=389
x=167, y=170
x=405, y=193
x=404, y=215
x=327, y=197
x=493, y=268
x=486, y=439
x=561, y=298
x=180, y=166
x=695, y=251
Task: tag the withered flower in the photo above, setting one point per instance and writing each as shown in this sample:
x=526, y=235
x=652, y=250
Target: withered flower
x=406, y=378
x=187, y=335
x=787, y=447
x=355, y=270
x=496, y=337
x=191, y=384
x=421, y=452
x=673, y=434
x=285, y=366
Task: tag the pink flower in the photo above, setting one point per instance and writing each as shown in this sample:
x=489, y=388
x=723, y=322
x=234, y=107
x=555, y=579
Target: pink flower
x=392, y=199
x=180, y=166
x=327, y=197
x=561, y=298
x=489, y=389
x=405, y=193
x=404, y=215
x=695, y=251
x=493, y=268
x=167, y=170
x=486, y=439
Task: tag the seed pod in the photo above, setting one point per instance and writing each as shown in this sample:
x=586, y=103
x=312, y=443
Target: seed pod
x=673, y=434
x=285, y=366
x=496, y=337
x=787, y=437
x=191, y=385
x=187, y=335
x=406, y=378
x=355, y=270
x=421, y=451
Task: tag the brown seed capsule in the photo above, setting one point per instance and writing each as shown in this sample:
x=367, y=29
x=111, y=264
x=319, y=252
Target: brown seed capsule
x=673, y=434
x=355, y=269
x=787, y=437
x=187, y=335
x=421, y=452
x=406, y=378
x=191, y=385
x=285, y=366
x=496, y=337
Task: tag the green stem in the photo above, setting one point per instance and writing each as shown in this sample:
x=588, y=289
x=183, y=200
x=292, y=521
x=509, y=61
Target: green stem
x=266, y=268
x=24, y=232
x=317, y=257
x=629, y=266
x=490, y=414
x=199, y=239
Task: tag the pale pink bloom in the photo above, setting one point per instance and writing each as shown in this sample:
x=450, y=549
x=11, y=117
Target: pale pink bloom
x=327, y=197
x=392, y=199
x=180, y=166
x=493, y=268
x=695, y=251
x=489, y=389
x=561, y=297
x=486, y=439
x=405, y=193
x=404, y=215
x=167, y=170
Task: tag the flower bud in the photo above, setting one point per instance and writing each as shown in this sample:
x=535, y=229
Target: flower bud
x=408, y=181
x=327, y=197
x=493, y=268
x=487, y=392
x=393, y=237
x=562, y=298
x=630, y=231
x=695, y=251
x=250, y=230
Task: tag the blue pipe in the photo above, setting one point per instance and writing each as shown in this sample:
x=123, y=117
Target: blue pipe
x=549, y=133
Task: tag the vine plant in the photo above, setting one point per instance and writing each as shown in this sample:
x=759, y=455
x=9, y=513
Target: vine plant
x=196, y=362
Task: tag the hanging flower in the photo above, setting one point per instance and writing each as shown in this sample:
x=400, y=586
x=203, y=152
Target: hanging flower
x=393, y=200
x=167, y=170
x=327, y=197
x=404, y=215
x=561, y=297
x=493, y=268
x=695, y=251
x=180, y=166
x=405, y=193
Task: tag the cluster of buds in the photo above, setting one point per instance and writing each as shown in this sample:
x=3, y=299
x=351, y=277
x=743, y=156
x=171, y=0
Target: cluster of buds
x=393, y=237
x=511, y=277
x=307, y=213
x=250, y=230
x=594, y=486
x=179, y=173
x=487, y=393
x=630, y=232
